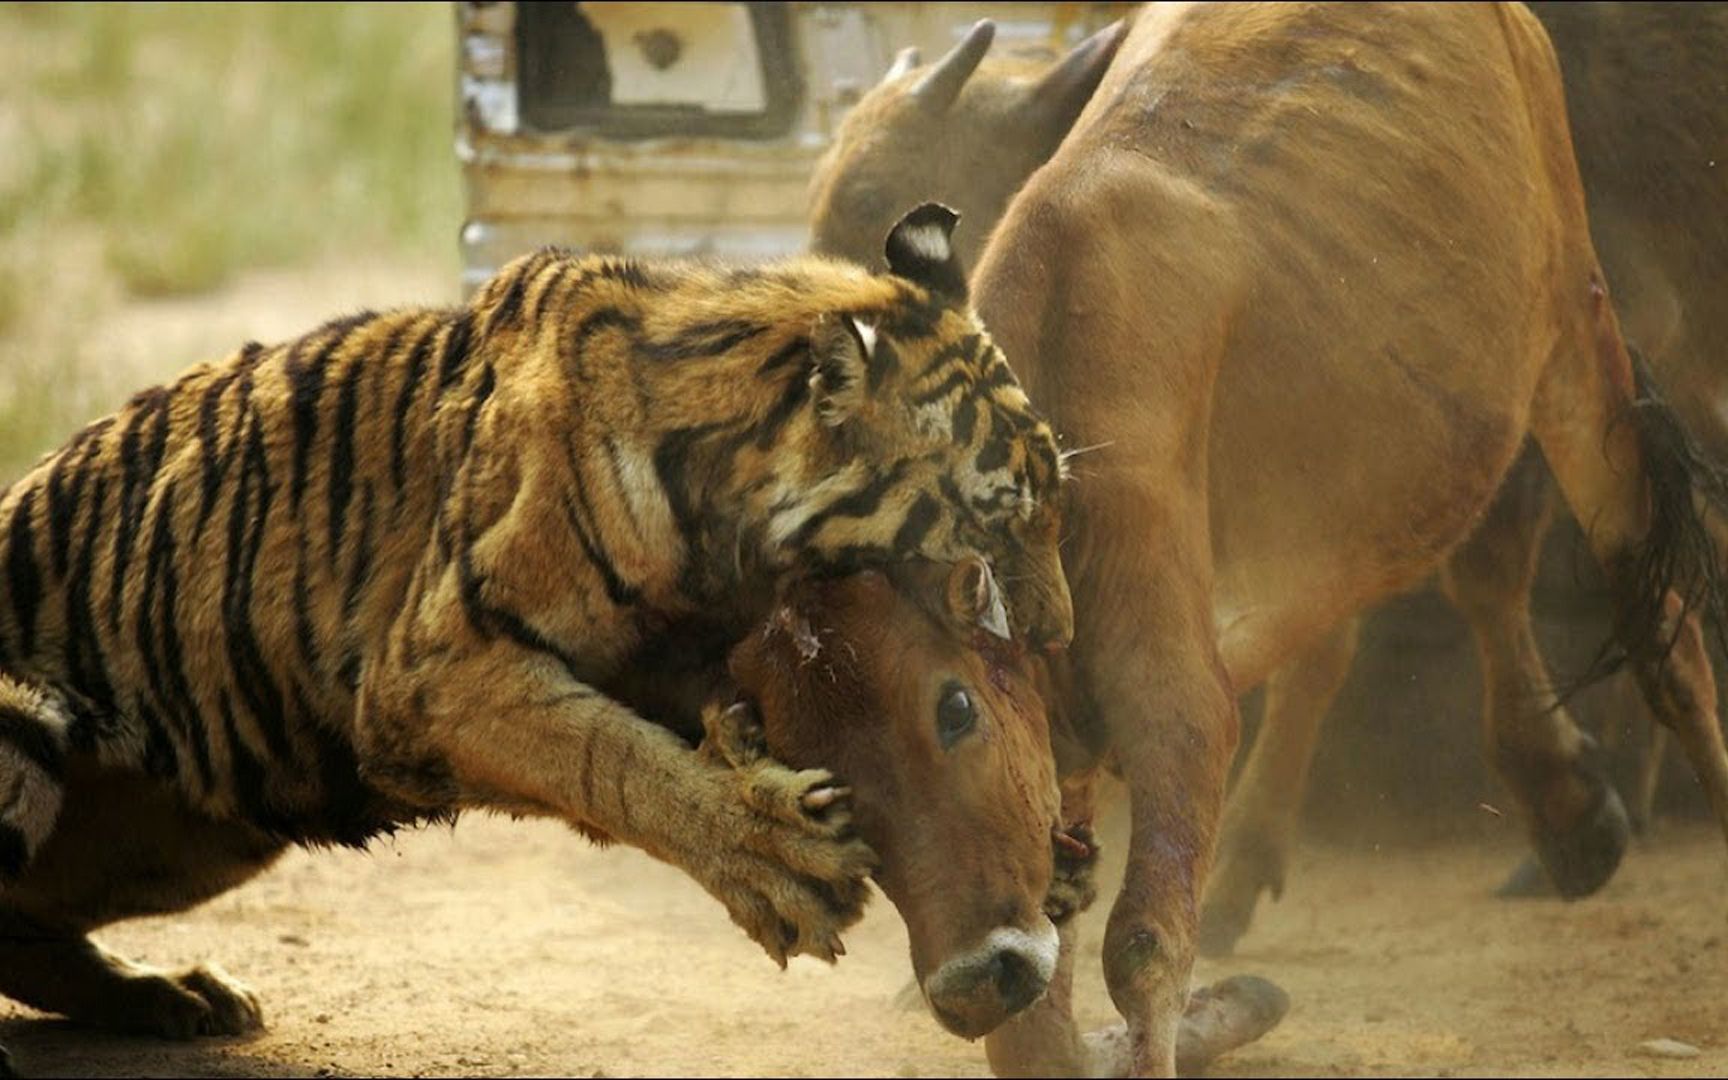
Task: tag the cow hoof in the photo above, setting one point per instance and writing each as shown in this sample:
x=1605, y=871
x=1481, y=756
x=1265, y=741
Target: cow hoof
x=1582, y=859
x=1528, y=881
x=1226, y=1015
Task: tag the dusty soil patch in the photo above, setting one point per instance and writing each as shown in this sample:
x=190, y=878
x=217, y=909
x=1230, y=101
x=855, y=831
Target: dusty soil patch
x=515, y=948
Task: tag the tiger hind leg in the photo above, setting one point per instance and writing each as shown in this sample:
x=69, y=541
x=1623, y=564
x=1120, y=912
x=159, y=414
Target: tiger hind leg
x=68, y=974
x=32, y=771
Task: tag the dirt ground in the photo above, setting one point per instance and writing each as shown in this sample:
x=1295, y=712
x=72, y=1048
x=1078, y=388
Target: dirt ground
x=516, y=948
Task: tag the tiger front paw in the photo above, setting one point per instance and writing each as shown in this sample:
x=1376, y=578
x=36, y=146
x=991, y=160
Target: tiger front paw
x=786, y=860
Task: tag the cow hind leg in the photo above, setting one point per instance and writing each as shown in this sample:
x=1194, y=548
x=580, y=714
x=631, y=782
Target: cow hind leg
x=1632, y=477
x=1260, y=817
x=1655, y=749
x=1576, y=819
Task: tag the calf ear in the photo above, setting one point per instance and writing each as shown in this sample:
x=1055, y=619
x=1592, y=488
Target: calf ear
x=840, y=351
x=939, y=87
x=1054, y=103
x=920, y=248
x=904, y=61
x=974, y=599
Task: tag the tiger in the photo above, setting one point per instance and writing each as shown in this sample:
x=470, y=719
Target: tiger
x=386, y=572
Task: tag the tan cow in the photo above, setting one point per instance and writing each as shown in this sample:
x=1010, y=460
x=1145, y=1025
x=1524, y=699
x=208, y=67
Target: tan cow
x=1648, y=120
x=1310, y=273
x=1649, y=114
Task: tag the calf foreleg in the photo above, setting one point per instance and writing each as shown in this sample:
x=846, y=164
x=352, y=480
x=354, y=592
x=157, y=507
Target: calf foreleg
x=1148, y=655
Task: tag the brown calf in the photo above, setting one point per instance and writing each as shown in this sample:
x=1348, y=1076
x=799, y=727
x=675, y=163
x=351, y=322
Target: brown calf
x=939, y=730
x=941, y=737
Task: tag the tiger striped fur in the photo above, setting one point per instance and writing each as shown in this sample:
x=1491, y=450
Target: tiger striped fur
x=385, y=572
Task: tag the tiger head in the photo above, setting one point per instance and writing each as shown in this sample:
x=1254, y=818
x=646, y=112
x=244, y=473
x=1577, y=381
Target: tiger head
x=925, y=443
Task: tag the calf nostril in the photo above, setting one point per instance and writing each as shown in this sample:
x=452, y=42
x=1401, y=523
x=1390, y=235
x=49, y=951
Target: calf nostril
x=1017, y=983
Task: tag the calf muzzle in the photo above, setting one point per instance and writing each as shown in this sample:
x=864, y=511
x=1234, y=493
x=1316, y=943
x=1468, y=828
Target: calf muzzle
x=972, y=994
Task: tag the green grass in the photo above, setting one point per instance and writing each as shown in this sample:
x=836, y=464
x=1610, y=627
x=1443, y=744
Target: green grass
x=152, y=150
x=203, y=139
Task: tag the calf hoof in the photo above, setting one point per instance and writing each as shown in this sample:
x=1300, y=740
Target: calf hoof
x=1527, y=881
x=1226, y=1015
x=1582, y=859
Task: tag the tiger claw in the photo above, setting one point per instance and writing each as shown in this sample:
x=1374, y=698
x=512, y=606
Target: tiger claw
x=789, y=865
x=733, y=735
x=822, y=798
x=1072, y=844
x=1072, y=886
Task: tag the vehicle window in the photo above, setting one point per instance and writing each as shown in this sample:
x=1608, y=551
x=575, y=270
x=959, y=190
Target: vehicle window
x=642, y=70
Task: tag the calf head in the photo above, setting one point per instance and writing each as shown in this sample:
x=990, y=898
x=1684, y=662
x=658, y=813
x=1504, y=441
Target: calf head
x=961, y=130
x=889, y=680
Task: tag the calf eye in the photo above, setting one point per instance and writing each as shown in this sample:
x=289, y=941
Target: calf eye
x=955, y=715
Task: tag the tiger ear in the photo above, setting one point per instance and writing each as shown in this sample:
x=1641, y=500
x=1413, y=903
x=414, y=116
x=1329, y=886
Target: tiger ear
x=920, y=248
x=840, y=350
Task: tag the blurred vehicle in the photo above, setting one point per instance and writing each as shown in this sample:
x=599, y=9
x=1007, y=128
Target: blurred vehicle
x=681, y=129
